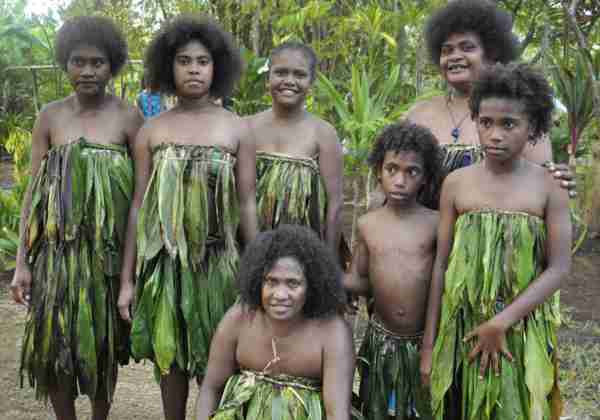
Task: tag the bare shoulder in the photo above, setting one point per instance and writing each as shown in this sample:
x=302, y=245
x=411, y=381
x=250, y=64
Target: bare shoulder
x=368, y=221
x=129, y=111
x=334, y=330
x=256, y=120
x=235, y=319
x=422, y=110
x=326, y=133
x=430, y=217
x=55, y=107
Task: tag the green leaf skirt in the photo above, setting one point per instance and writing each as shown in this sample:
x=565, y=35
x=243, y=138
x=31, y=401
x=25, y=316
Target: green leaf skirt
x=495, y=256
x=187, y=256
x=74, y=336
x=390, y=382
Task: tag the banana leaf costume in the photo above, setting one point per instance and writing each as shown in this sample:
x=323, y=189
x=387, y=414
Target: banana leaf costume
x=455, y=156
x=74, y=336
x=187, y=256
x=290, y=190
x=495, y=256
x=390, y=381
x=251, y=395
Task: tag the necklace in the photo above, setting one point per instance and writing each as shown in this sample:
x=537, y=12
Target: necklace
x=455, y=133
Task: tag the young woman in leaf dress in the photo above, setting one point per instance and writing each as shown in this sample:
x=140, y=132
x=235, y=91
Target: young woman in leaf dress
x=284, y=351
x=73, y=226
x=298, y=156
x=493, y=306
x=195, y=185
x=463, y=38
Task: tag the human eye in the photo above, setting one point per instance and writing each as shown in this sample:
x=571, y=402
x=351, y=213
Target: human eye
x=485, y=122
x=98, y=62
x=414, y=172
x=183, y=60
x=509, y=124
x=77, y=61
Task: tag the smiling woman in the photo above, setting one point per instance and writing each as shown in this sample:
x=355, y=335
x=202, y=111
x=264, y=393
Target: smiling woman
x=285, y=347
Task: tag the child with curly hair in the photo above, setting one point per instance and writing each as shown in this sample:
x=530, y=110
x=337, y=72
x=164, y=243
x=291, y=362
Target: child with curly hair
x=73, y=225
x=285, y=350
x=503, y=249
x=195, y=173
x=392, y=262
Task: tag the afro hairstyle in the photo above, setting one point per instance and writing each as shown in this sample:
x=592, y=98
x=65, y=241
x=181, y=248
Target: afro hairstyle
x=308, y=52
x=325, y=294
x=180, y=31
x=97, y=31
x=482, y=17
x=519, y=82
x=406, y=136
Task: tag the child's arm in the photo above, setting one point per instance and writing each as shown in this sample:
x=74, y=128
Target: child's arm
x=357, y=280
x=490, y=335
x=40, y=143
x=445, y=237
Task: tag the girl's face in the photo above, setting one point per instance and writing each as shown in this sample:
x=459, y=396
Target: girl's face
x=284, y=290
x=462, y=58
x=290, y=78
x=193, y=70
x=504, y=128
x=88, y=69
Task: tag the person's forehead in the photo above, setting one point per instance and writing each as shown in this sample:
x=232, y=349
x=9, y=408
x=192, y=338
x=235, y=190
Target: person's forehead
x=290, y=56
x=458, y=37
x=406, y=157
x=505, y=106
x=87, y=50
x=194, y=47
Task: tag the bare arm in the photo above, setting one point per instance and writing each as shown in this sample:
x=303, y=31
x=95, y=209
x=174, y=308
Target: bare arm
x=357, y=280
x=448, y=215
x=331, y=166
x=338, y=371
x=40, y=143
x=246, y=182
x=221, y=363
x=142, y=160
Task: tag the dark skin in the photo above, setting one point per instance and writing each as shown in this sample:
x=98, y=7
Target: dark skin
x=100, y=118
x=504, y=130
x=276, y=131
x=196, y=120
x=400, y=231
x=461, y=59
x=319, y=348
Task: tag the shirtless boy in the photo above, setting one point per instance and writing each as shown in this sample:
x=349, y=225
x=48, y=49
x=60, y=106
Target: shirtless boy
x=392, y=262
x=73, y=225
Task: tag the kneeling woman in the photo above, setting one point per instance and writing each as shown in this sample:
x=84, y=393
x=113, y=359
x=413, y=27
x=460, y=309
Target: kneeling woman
x=284, y=350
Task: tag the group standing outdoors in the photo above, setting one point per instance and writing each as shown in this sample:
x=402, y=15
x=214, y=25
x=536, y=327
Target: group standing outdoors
x=211, y=244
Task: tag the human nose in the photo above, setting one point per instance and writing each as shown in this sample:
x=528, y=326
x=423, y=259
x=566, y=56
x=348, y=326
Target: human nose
x=88, y=70
x=279, y=292
x=400, y=179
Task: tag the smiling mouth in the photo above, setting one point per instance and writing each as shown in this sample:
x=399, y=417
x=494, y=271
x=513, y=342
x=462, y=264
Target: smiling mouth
x=457, y=67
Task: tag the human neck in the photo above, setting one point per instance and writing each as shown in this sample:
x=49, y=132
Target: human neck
x=282, y=329
x=504, y=168
x=403, y=209
x=88, y=102
x=194, y=104
x=288, y=113
x=460, y=93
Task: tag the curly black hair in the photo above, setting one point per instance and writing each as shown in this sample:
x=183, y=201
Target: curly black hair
x=325, y=294
x=97, y=31
x=520, y=82
x=308, y=52
x=492, y=24
x=406, y=136
x=176, y=34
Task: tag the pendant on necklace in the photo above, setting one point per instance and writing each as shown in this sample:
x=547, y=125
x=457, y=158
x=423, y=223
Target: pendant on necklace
x=455, y=133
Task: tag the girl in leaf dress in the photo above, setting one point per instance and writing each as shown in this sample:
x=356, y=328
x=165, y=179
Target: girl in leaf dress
x=503, y=248
x=284, y=351
x=73, y=226
x=195, y=185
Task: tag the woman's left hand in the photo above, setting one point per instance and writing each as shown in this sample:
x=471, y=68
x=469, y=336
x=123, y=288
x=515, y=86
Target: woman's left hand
x=563, y=173
x=491, y=344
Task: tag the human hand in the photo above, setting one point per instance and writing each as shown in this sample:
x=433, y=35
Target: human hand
x=491, y=344
x=125, y=299
x=425, y=366
x=563, y=173
x=20, y=286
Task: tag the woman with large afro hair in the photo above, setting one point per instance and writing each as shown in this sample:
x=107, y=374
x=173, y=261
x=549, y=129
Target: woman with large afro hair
x=195, y=170
x=285, y=343
x=463, y=38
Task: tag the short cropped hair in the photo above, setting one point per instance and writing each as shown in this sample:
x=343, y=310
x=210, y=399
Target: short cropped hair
x=96, y=31
x=180, y=31
x=406, y=136
x=308, y=52
x=482, y=17
x=325, y=294
x=520, y=82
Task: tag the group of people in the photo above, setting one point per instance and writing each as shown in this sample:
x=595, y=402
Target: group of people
x=132, y=235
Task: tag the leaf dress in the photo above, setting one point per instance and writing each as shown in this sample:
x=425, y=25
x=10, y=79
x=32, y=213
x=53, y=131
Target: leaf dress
x=187, y=256
x=495, y=256
x=290, y=190
x=74, y=238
